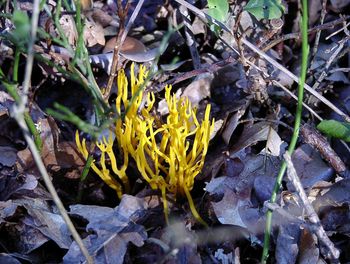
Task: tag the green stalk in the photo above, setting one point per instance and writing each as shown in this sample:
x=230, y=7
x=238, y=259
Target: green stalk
x=34, y=131
x=83, y=178
x=16, y=65
x=305, y=51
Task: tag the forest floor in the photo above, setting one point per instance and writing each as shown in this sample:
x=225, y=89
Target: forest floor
x=149, y=175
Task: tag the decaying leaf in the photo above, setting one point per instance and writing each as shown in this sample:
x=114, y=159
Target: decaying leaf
x=287, y=243
x=68, y=26
x=8, y=156
x=12, y=185
x=251, y=135
x=113, y=230
x=93, y=34
x=199, y=89
x=37, y=227
x=56, y=155
x=310, y=167
x=232, y=123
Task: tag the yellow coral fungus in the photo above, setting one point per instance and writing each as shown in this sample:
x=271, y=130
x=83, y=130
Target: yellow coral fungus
x=165, y=157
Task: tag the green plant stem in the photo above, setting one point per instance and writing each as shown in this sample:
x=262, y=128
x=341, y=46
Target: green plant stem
x=83, y=177
x=34, y=131
x=16, y=65
x=305, y=51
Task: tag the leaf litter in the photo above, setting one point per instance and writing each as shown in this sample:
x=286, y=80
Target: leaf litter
x=253, y=118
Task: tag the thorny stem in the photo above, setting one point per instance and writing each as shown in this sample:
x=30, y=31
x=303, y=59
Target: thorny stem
x=19, y=115
x=305, y=51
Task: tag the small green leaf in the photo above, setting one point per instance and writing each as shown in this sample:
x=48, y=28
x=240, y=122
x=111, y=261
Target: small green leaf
x=218, y=9
x=336, y=129
x=268, y=9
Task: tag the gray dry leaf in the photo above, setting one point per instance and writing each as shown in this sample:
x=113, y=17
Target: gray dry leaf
x=273, y=143
x=199, y=89
x=263, y=186
x=8, y=259
x=8, y=156
x=337, y=195
x=228, y=209
x=33, y=229
x=27, y=238
x=110, y=231
x=49, y=223
x=231, y=124
x=6, y=102
x=184, y=241
x=196, y=91
x=11, y=185
x=287, y=243
x=340, y=4
x=251, y=135
x=310, y=167
x=234, y=208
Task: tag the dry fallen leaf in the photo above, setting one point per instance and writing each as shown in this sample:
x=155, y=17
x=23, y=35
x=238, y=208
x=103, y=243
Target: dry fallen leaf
x=198, y=89
x=130, y=45
x=310, y=167
x=287, y=243
x=103, y=18
x=251, y=135
x=8, y=156
x=68, y=26
x=113, y=229
x=93, y=34
x=56, y=155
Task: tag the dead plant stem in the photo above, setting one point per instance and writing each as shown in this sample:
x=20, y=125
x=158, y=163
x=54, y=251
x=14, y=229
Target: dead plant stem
x=318, y=32
x=122, y=13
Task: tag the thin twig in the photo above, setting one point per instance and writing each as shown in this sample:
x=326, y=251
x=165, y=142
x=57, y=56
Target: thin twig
x=131, y=20
x=123, y=32
x=318, y=32
x=329, y=63
x=190, y=74
x=328, y=249
x=296, y=79
x=18, y=114
x=296, y=98
x=122, y=13
x=297, y=35
x=190, y=38
x=338, y=31
x=316, y=140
